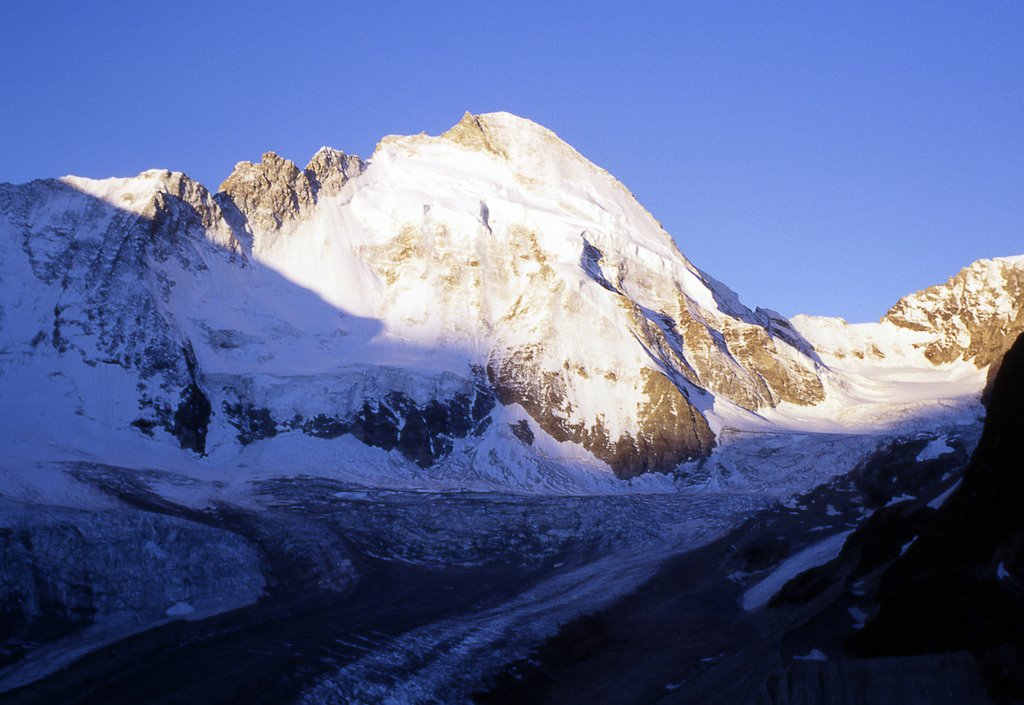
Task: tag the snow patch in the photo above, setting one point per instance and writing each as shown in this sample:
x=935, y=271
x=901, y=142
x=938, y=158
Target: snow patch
x=941, y=499
x=935, y=448
x=811, y=557
x=860, y=617
x=180, y=609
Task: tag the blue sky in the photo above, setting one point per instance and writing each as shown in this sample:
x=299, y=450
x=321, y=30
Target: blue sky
x=817, y=157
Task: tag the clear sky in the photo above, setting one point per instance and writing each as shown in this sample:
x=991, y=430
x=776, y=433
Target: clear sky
x=819, y=157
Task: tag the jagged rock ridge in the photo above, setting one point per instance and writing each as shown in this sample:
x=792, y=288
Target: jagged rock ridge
x=974, y=316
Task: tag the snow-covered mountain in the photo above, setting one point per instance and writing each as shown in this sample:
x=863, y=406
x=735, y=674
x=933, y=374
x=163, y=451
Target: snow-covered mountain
x=271, y=406
x=480, y=304
x=974, y=317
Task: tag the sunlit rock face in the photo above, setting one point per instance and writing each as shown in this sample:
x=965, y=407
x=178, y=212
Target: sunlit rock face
x=273, y=193
x=975, y=316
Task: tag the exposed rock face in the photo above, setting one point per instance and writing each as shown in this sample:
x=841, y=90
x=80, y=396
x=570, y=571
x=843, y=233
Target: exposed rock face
x=274, y=193
x=269, y=194
x=670, y=429
x=471, y=133
x=423, y=434
x=744, y=362
x=521, y=430
x=763, y=357
x=330, y=169
x=975, y=316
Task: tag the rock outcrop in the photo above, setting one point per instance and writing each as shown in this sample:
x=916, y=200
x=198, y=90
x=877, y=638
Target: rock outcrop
x=275, y=193
x=974, y=316
x=670, y=429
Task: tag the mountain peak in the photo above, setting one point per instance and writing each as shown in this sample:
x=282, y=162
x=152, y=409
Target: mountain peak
x=471, y=133
x=976, y=315
x=271, y=166
x=503, y=134
x=329, y=169
x=275, y=191
x=269, y=193
x=478, y=259
x=499, y=133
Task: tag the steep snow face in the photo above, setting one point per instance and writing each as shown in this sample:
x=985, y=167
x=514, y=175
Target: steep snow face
x=498, y=247
x=90, y=270
x=485, y=303
x=882, y=379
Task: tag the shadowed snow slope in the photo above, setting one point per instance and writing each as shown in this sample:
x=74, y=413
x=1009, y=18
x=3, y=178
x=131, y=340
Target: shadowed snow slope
x=483, y=308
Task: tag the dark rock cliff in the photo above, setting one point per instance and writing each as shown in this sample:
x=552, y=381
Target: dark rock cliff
x=961, y=585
